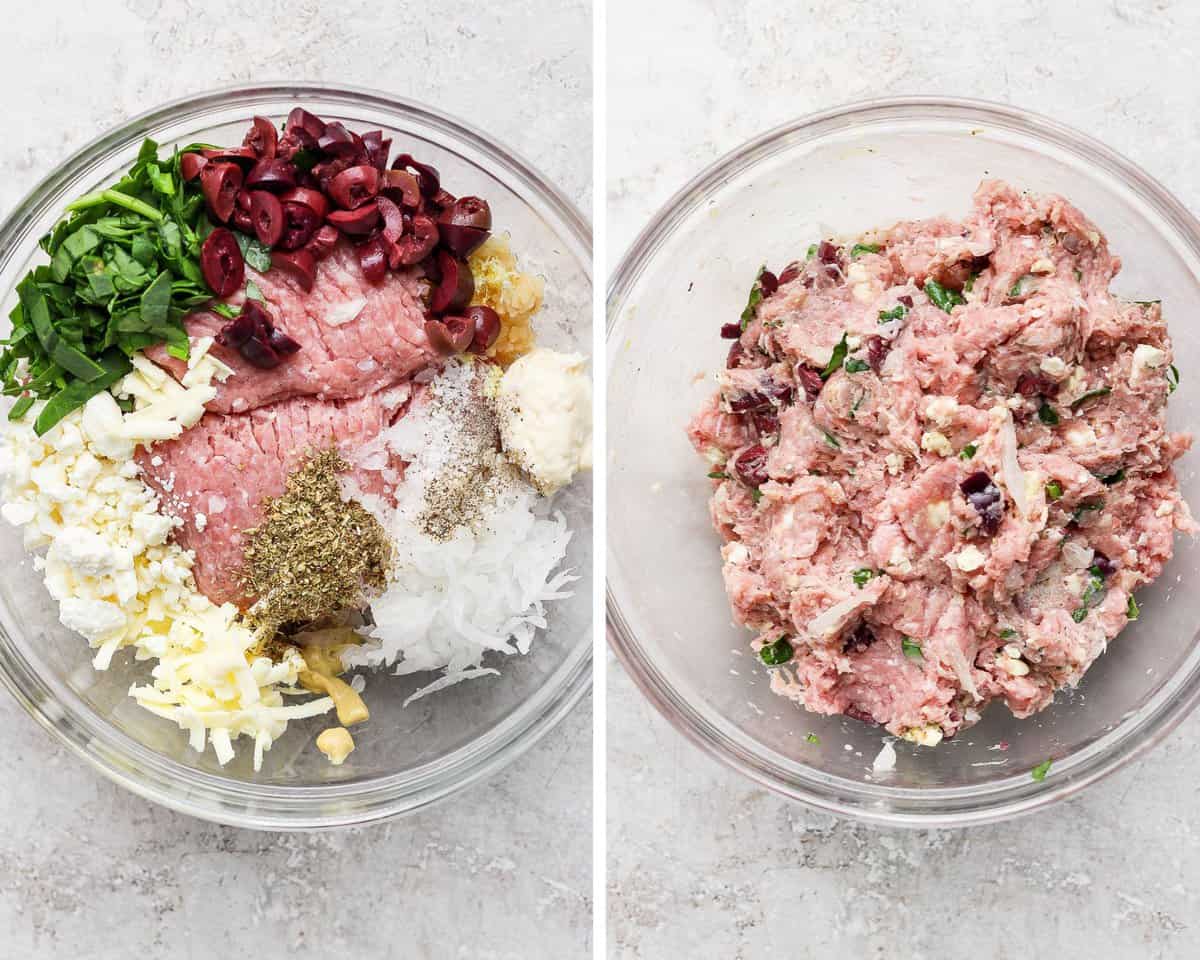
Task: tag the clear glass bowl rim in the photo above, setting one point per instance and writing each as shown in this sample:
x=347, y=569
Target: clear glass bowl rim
x=130, y=764
x=876, y=803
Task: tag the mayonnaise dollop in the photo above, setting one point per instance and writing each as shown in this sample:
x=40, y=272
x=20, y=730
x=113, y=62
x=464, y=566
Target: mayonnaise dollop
x=545, y=403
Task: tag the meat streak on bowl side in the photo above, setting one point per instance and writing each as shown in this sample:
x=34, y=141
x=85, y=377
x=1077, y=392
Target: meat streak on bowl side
x=941, y=465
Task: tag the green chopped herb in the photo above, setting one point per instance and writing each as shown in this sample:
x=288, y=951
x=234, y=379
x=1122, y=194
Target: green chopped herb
x=1048, y=415
x=854, y=365
x=1086, y=508
x=859, y=249
x=1079, y=614
x=832, y=440
x=862, y=575
x=1039, y=772
x=835, y=359
x=812, y=251
x=894, y=314
x=20, y=408
x=941, y=297
x=911, y=648
x=258, y=255
x=1089, y=396
x=718, y=475
x=1113, y=478
x=773, y=654
x=755, y=495
x=1131, y=608
x=1008, y=633
x=124, y=270
x=857, y=403
x=969, y=286
x=968, y=452
x=1023, y=287
x=813, y=738
x=1054, y=490
x=1173, y=379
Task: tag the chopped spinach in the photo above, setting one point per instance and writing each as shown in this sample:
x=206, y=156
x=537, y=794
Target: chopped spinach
x=854, y=365
x=832, y=440
x=968, y=452
x=773, y=654
x=1132, y=611
x=911, y=648
x=1048, y=415
x=859, y=249
x=1039, y=772
x=1173, y=379
x=942, y=297
x=835, y=359
x=1054, y=490
x=862, y=575
x=895, y=313
x=1089, y=396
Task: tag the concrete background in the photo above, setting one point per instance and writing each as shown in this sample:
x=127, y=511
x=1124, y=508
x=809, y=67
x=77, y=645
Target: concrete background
x=502, y=871
x=701, y=863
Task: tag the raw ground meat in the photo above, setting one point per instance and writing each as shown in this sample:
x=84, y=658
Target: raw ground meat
x=355, y=336
x=962, y=510
x=222, y=468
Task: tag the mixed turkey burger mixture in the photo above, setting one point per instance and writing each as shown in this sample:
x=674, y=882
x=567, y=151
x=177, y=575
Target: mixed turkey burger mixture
x=940, y=464
x=277, y=411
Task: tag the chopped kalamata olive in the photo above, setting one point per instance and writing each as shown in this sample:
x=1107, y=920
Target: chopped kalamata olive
x=734, y=357
x=377, y=149
x=457, y=285
x=1102, y=565
x=238, y=330
x=906, y=300
x=306, y=125
x=859, y=640
x=252, y=333
x=372, y=257
x=857, y=713
x=221, y=183
x=465, y=225
x=750, y=466
x=300, y=222
x=750, y=400
x=273, y=174
x=403, y=186
x=419, y=240
x=450, y=335
x=262, y=138
x=323, y=242
x=1036, y=385
x=300, y=265
x=427, y=176
x=810, y=380
x=242, y=220
x=393, y=219
x=243, y=156
x=486, y=323
x=731, y=331
x=766, y=421
x=244, y=200
x=986, y=498
x=768, y=282
x=779, y=392
x=877, y=351
x=260, y=353
x=221, y=262
x=266, y=213
x=828, y=252
x=282, y=344
x=336, y=140
x=313, y=199
x=359, y=222
x=354, y=186
x=790, y=272
x=190, y=165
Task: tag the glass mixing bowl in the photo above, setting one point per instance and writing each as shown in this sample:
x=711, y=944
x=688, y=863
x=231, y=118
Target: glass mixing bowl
x=405, y=758
x=841, y=172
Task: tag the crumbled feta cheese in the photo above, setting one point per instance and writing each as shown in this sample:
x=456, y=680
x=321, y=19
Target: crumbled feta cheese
x=937, y=513
x=1013, y=666
x=1042, y=265
x=941, y=410
x=885, y=760
x=853, y=342
x=935, y=442
x=201, y=522
x=1164, y=509
x=970, y=558
x=1054, y=367
x=1080, y=436
x=895, y=463
x=1146, y=357
x=929, y=735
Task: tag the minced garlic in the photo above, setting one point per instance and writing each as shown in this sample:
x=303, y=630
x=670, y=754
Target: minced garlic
x=514, y=295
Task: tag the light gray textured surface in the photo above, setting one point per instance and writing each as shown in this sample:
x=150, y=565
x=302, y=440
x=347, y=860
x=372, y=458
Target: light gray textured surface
x=701, y=863
x=501, y=871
